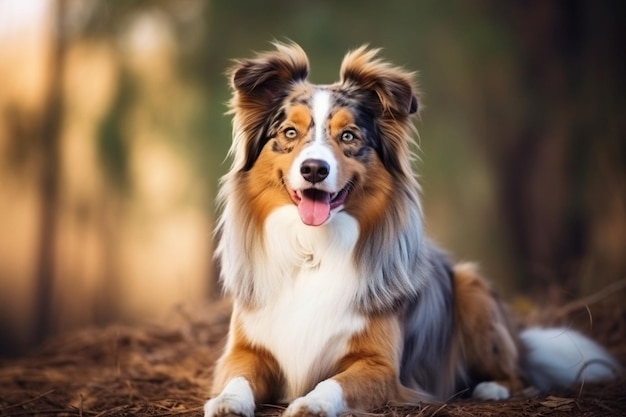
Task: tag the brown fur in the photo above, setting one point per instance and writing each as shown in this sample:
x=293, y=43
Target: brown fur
x=369, y=371
x=487, y=343
x=252, y=362
x=375, y=187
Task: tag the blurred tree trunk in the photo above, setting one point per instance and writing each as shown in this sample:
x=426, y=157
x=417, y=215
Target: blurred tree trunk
x=561, y=163
x=50, y=131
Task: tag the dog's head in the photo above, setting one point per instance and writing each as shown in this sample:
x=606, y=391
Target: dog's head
x=323, y=148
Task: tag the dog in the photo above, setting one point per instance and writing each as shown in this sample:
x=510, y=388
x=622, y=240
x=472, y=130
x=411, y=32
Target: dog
x=340, y=301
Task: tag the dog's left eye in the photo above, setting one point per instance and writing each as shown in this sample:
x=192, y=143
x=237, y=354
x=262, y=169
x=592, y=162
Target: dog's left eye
x=290, y=133
x=347, y=136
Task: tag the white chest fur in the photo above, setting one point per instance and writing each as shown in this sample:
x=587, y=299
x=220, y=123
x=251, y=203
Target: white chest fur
x=309, y=280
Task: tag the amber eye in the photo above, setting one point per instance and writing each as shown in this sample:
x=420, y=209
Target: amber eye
x=347, y=136
x=290, y=133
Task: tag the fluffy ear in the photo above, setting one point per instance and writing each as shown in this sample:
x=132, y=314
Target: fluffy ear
x=259, y=84
x=391, y=95
x=393, y=86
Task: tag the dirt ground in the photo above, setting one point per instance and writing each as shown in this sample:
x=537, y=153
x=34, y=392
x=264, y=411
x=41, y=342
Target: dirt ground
x=165, y=370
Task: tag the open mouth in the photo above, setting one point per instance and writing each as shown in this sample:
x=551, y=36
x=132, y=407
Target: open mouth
x=315, y=205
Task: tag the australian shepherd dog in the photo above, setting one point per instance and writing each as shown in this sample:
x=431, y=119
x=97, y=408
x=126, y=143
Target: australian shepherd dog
x=340, y=302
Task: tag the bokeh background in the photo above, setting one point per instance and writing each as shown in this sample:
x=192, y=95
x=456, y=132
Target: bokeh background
x=113, y=136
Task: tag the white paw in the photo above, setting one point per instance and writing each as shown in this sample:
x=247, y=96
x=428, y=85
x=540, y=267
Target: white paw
x=304, y=406
x=235, y=399
x=326, y=400
x=490, y=391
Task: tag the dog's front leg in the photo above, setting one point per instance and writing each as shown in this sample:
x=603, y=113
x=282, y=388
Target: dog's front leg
x=326, y=400
x=367, y=375
x=236, y=399
x=244, y=376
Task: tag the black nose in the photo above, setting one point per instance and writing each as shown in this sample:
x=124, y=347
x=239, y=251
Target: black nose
x=314, y=170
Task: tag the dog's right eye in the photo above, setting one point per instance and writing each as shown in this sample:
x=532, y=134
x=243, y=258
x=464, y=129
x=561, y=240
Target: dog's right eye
x=290, y=133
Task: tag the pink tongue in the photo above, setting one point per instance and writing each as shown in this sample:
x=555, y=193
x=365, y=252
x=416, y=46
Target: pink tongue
x=314, y=207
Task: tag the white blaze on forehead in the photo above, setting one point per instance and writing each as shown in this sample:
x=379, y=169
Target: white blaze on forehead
x=317, y=148
x=321, y=110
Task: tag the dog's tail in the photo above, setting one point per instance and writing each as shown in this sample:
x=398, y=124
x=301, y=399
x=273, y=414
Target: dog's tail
x=561, y=358
x=492, y=347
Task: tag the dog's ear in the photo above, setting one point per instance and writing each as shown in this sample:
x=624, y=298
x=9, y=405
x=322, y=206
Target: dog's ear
x=393, y=87
x=259, y=85
x=391, y=95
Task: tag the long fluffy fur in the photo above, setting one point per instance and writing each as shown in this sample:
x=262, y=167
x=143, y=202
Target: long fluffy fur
x=559, y=358
x=359, y=308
